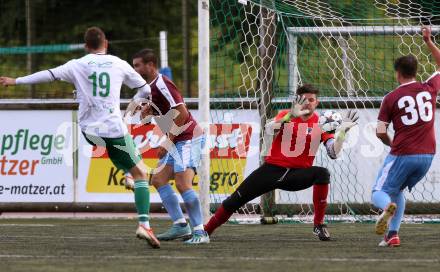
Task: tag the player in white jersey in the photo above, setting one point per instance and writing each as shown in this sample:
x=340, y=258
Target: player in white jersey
x=97, y=78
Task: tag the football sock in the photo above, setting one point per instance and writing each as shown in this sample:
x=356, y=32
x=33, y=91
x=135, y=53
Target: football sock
x=199, y=229
x=380, y=199
x=145, y=224
x=193, y=207
x=320, y=192
x=396, y=220
x=142, y=200
x=181, y=222
x=171, y=203
x=218, y=219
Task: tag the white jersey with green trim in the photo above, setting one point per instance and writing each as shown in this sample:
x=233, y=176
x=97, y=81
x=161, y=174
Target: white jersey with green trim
x=98, y=79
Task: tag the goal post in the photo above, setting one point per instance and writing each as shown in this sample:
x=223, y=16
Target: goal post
x=203, y=47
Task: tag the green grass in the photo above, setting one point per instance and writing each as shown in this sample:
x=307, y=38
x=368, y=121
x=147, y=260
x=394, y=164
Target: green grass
x=110, y=245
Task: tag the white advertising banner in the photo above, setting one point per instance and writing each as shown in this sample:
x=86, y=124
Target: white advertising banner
x=36, y=156
x=36, y=162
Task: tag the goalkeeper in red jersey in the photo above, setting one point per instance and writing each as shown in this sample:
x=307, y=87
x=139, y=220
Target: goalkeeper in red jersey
x=289, y=165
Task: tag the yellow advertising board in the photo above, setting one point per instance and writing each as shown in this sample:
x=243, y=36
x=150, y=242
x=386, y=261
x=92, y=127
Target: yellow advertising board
x=229, y=146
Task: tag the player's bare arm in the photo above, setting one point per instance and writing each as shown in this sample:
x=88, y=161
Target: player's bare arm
x=7, y=81
x=435, y=51
x=179, y=118
x=382, y=133
x=141, y=102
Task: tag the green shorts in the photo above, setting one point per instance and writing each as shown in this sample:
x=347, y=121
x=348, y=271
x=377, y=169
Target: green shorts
x=122, y=151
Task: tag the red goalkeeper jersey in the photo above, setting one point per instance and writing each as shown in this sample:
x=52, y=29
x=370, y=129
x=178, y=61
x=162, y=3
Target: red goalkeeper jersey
x=297, y=142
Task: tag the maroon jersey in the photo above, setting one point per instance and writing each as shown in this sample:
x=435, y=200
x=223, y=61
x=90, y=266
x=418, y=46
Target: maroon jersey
x=296, y=144
x=166, y=96
x=411, y=109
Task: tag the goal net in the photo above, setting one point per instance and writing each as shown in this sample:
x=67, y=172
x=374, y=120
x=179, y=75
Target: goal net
x=262, y=50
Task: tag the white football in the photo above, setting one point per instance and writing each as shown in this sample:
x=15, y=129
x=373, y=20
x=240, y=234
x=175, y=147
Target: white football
x=329, y=120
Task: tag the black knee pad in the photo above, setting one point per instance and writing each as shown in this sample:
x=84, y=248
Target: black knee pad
x=322, y=175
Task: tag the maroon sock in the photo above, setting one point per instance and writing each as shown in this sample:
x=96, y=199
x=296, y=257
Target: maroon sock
x=320, y=192
x=218, y=219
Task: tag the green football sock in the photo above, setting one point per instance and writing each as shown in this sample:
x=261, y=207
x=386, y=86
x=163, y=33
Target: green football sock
x=142, y=200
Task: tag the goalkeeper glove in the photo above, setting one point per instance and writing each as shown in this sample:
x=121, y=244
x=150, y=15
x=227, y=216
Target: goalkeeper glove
x=348, y=121
x=297, y=105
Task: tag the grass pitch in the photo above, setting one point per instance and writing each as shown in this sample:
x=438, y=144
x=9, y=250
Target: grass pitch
x=110, y=245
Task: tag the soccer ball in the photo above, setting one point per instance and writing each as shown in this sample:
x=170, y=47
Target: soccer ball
x=330, y=120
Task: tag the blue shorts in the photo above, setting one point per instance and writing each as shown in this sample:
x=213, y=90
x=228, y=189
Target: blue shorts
x=184, y=154
x=399, y=172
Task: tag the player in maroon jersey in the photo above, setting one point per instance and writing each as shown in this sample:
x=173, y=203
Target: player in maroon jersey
x=411, y=108
x=289, y=163
x=179, y=156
